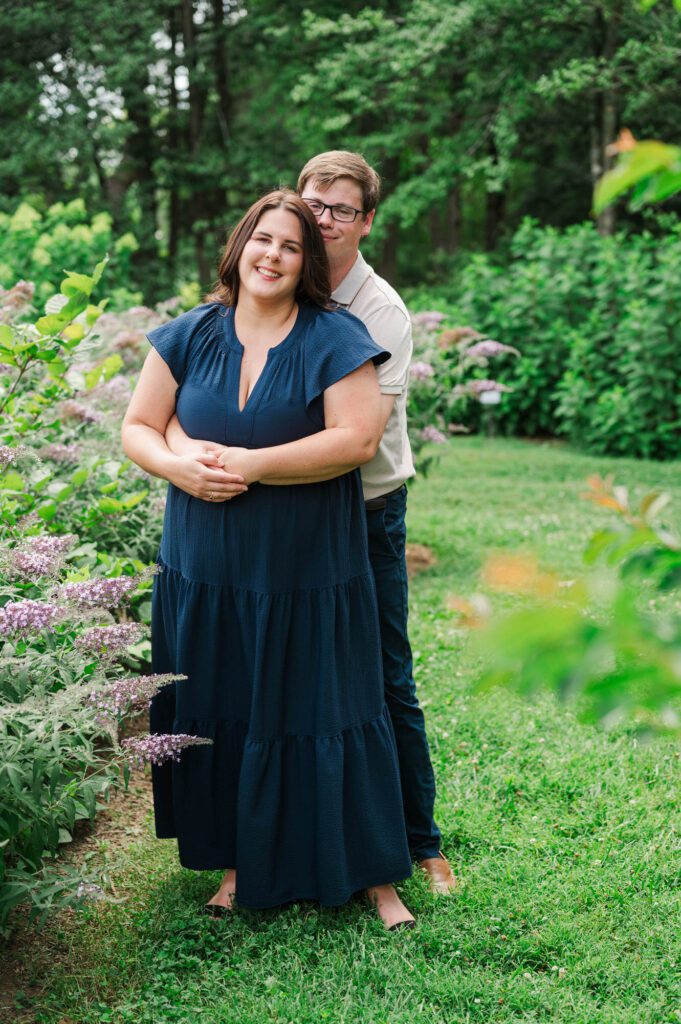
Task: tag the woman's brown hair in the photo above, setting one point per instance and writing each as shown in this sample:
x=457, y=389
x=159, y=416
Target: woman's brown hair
x=315, y=280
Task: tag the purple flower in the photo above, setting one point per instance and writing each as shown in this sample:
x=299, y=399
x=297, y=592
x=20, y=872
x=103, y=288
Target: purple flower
x=72, y=410
x=488, y=348
x=9, y=455
x=113, y=702
x=430, y=320
x=421, y=371
x=100, y=592
x=160, y=747
x=112, y=392
x=68, y=454
x=431, y=433
x=40, y=555
x=109, y=641
x=477, y=387
x=24, y=617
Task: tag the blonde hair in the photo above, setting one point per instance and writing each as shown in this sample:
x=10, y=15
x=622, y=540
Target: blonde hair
x=325, y=168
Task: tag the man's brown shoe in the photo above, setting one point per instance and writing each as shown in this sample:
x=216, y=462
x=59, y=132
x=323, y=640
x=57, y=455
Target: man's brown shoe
x=440, y=876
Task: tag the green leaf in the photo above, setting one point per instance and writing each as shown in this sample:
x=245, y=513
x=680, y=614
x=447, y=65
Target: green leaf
x=11, y=481
x=134, y=499
x=634, y=166
x=74, y=283
x=74, y=332
x=6, y=334
x=109, y=506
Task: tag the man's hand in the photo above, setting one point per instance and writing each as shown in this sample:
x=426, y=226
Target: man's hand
x=201, y=476
x=243, y=462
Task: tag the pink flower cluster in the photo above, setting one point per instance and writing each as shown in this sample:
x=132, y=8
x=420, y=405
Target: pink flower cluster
x=488, y=349
x=9, y=455
x=109, y=641
x=73, y=410
x=160, y=747
x=430, y=320
x=100, y=592
x=24, y=617
x=421, y=371
x=478, y=386
x=118, y=697
x=40, y=555
x=431, y=433
x=68, y=454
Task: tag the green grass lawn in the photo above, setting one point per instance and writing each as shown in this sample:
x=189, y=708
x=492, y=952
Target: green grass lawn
x=566, y=840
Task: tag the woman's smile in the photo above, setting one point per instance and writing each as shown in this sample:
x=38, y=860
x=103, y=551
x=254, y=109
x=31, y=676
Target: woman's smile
x=273, y=255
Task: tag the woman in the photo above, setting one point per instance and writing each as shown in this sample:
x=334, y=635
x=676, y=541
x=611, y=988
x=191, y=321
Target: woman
x=266, y=599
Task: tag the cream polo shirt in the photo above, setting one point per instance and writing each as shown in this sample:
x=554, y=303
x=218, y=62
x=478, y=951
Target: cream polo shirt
x=385, y=316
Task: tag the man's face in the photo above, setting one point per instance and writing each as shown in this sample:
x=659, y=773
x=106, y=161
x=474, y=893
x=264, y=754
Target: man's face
x=341, y=239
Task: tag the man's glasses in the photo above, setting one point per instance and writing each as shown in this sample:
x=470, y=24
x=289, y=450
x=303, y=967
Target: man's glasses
x=344, y=214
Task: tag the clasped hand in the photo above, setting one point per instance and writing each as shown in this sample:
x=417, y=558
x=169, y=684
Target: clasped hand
x=213, y=472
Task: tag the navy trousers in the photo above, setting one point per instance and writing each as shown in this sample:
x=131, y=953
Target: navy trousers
x=387, y=539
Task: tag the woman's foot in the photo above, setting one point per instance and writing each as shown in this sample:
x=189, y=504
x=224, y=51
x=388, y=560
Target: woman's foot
x=223, y=900
x=390, y=907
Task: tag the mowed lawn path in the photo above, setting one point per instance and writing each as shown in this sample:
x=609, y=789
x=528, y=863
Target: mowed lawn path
x=566, y=841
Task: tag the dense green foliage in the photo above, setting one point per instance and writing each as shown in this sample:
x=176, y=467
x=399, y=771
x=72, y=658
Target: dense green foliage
x=565, y=839
x=598, y=326
x=36, y=245
x=173, y=115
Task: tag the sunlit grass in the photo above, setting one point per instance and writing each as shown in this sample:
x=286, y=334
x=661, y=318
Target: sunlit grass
x=566, y=841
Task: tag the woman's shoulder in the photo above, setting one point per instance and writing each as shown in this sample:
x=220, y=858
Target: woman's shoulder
x=337, y=322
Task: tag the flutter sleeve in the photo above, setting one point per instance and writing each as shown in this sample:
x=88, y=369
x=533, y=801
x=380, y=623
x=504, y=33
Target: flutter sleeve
x=176, y=340
x=337, y=344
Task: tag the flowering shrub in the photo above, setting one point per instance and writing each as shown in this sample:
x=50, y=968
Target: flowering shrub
x=444, y=382
x=595, y=319
x=74, y=601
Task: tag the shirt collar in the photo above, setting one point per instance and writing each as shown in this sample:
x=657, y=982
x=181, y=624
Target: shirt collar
x=346, y=291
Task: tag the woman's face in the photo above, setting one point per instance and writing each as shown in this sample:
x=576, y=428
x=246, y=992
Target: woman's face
x=272, y=260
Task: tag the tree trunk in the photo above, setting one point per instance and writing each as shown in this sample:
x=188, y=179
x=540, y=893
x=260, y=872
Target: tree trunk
x=139, y=156
x=604, y=118
x=174, y=205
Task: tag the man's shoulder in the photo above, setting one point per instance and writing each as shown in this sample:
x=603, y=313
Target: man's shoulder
x=377, y=296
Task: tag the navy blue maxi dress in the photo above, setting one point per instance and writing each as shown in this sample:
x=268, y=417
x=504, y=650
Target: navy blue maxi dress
x=267, y=604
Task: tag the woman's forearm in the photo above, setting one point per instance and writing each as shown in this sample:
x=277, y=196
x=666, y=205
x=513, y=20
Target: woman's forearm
x=322, y=456
x=148, y=449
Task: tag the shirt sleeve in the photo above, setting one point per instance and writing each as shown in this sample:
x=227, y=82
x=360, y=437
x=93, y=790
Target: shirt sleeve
x=175, y=340
x=391, y=330
x=339, y=344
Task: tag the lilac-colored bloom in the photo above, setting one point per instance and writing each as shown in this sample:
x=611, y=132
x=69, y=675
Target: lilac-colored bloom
x=488, y=349
x=421, y=371
x=9, y=455
x=41, y=555
x=99, y=592
x=160, y=747
x=73, y=410
x=109, y=641
x=115, y=391
x=68, y=454
x=431, y=433
x=429, y=320
x=118, y=697
x=477, y=387
x=25, y=617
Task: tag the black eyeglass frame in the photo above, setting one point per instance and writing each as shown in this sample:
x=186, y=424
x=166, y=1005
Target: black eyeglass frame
x=330, y=208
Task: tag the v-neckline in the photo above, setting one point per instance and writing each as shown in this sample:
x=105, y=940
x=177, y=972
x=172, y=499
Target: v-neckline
x=234, y=343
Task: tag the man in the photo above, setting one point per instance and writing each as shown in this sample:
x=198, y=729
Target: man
x=342, y=191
